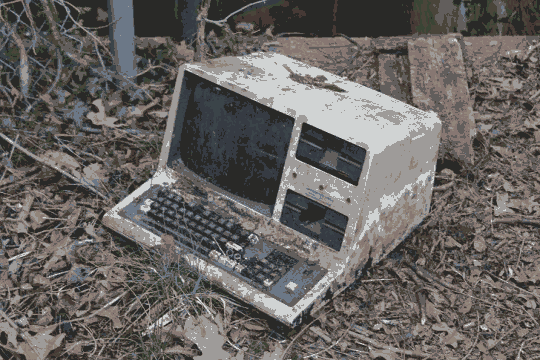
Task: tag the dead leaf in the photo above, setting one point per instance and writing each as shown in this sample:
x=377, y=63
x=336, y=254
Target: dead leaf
x=204, y=333
x=479, y=243
x=482, y=347
x=239, y=356
x=511, y=84
x=61, y=160
x=523, y=205
x=466, y=306
x=531, y=304
x=452, y=337
x=39, y=346
x=235, y=335
x=37, y=217
x=94, y=174
x=112, y=313
x=274, y=354
x=451, y=243
x=502, y=208
x=100, y=117
x=40, y=280
x=10, y=332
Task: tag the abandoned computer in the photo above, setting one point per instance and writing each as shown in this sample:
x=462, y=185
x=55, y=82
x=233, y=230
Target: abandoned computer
x=279, y=181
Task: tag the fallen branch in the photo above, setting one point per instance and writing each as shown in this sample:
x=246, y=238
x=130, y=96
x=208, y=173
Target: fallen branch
x=527, y=220
x=52, y=165
x=376, y=344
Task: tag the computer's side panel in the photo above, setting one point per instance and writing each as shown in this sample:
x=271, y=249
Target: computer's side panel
x=398, y=190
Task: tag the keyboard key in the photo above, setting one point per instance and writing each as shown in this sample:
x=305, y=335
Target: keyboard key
x=212, y=225
x=261, y=277
x=190, y=214
x=203, y=250
x=214, y=236
x=219, y=229
x=291, y=286
x=254, y=239
x=175, y=207
x=207, y=232
x=200, y=228
x=222, y=221
x=171, y=213
x=232, y=245
x=222, y=240
x=222, y=259
x=229, y=225
x=192, y=204
x=227, y=234
x=235, y=238
x=207, y=213
x=198, y=217
x=161, y=199
x=204, y=222
x=167, y=203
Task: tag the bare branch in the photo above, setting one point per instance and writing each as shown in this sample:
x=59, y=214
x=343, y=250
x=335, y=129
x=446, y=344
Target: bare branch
x=223, y=21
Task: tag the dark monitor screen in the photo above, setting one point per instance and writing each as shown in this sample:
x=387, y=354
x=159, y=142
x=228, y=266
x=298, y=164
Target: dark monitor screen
x=233, y=142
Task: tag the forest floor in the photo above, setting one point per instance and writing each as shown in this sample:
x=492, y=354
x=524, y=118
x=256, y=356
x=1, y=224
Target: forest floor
x=464, y=284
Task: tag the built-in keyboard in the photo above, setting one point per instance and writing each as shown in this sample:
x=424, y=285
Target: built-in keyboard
x=215, y=237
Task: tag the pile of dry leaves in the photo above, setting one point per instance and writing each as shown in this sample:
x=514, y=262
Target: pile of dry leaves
x=466, y=284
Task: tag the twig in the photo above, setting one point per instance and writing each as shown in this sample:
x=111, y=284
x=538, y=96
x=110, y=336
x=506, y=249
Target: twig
x=520, y=349
x=52, y=165
x=23, y=68
x=376, y=344
x=527, y=220
x=300, y=333
x=511, y=284
x=221, y=22
x=476, y=340
x=9, y=159
x=444, y=187
x=58, y=70
x=331, y=346
x=202, y=49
